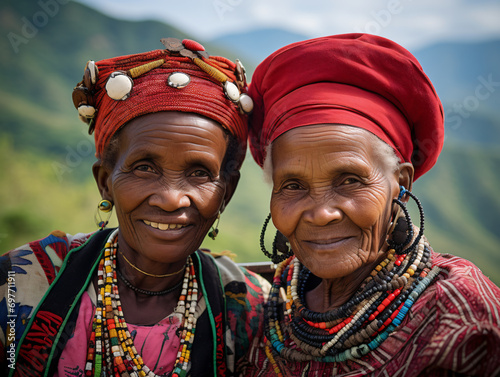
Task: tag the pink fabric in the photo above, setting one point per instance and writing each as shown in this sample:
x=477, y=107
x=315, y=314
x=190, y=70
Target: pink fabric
x=150, y=342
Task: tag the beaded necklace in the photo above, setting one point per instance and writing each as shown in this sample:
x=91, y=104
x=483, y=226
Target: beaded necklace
x=144, y=291
x=111, y=350
x=355, y=328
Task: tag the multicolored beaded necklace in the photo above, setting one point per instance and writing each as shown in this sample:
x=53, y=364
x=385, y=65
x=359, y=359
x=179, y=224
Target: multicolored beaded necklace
x=355, y=328
x=111, y=350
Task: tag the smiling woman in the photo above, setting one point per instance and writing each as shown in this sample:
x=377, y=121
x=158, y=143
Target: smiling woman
x=331, y=199
x=166, y=186
x=344, y=125
x=143, y=299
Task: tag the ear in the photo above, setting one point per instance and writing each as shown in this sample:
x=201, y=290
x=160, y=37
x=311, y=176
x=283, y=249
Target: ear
x=231, y=185
x=406, y=173
x=101, y=176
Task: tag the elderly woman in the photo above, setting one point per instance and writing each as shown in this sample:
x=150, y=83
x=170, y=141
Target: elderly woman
x=344, y=125
x=143, y=300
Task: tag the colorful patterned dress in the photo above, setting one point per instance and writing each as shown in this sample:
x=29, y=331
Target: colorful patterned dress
x=45, y=329
x=453, y=329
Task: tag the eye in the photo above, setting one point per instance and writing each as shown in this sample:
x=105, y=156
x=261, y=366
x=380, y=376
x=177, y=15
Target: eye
x=350, y=181
x=145, y=168
x=292, y=186
x=200, y=173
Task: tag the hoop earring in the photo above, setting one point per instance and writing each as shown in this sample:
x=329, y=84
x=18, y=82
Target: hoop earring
x=401, y=231
x=106, y=207
x=404, y=226
x=281, y=249
x=215, y=230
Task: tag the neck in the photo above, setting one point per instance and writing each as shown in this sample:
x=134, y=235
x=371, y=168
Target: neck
x=333, y=293
x=130, y=262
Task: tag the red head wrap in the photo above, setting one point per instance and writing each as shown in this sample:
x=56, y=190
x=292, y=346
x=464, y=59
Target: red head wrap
x=360, y=80
x=201, y=90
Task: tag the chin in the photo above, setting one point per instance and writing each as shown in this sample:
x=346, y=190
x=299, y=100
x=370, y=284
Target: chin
x=324, y=271
x=332, y=268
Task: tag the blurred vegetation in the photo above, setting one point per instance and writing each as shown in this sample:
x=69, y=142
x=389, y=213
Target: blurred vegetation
x=46, y=155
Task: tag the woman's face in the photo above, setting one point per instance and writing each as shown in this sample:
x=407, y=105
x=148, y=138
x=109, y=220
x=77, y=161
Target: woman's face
x=166, y=184
x=332, y=197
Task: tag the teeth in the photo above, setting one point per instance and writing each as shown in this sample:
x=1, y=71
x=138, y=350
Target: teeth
x=162, y=226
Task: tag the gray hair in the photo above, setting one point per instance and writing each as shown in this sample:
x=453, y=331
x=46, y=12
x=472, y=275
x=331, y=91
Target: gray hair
x=268, y=165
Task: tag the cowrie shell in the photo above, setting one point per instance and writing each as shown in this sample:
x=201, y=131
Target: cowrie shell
x=86, y=111
x=94, y=71
x=246, y=103
x=232, y=92
x=178, y=80
x=119, y=86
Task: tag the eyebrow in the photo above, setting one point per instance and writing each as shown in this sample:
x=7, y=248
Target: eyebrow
x=193, y=157
x=361, y=170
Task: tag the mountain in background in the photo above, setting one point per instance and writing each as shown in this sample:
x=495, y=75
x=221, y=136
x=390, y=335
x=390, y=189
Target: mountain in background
x=47, y=156
x=41, y=67
x=255, y=45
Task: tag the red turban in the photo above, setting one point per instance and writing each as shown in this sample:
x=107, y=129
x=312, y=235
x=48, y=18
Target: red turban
x=201, y=89
x=359, y=80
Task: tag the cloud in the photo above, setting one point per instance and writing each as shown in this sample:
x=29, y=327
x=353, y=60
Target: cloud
x=409, y=22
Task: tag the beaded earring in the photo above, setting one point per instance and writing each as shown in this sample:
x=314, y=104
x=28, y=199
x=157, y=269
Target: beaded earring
x=215, y=229
x=106, y=207
x=281, y=249
x=402, y=231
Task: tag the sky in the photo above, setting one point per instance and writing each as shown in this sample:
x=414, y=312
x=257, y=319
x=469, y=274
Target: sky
x=412, y=23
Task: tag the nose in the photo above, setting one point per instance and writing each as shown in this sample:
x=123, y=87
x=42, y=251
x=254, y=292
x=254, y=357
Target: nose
x=170, y=199
x=323, y=212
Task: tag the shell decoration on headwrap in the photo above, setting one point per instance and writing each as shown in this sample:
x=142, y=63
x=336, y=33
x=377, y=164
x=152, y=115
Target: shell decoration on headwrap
x=182, y=77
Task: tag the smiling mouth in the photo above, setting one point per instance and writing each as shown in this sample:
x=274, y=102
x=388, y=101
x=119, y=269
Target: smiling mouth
x=162, y=226
x=327, y=242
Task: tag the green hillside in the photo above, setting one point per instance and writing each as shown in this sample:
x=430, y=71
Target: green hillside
x=38, y=76
x=461, y=206
x=46, y=155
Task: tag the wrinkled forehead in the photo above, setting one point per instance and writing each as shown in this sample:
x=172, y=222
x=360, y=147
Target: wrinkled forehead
x=319, y=142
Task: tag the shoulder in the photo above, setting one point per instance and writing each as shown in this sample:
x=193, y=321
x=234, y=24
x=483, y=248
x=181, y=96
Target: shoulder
x=237, y=279
x=46, y=254
x=27, y=272
x=246, y=293
x=459, y=315
x=464, y=289
x=233, y=273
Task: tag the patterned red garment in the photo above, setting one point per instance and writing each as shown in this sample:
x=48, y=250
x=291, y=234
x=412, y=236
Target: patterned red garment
x=453, y=326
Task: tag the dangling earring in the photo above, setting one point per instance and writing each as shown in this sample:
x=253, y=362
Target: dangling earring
x=281, y=249
x=104, y=206
x=215, y=230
